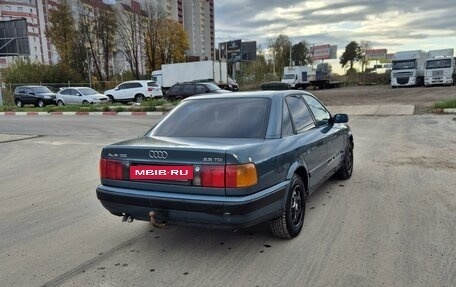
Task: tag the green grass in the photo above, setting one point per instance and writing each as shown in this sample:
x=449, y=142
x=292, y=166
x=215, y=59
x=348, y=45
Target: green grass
x=146, y=106
x=450, y=104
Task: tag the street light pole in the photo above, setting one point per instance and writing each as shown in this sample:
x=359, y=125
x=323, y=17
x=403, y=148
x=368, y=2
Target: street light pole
x=89, y=67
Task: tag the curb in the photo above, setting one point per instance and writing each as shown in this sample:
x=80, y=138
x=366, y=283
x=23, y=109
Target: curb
x=82, y=113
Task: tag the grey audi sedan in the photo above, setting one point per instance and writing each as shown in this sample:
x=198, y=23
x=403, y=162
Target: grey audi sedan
x=229, y=160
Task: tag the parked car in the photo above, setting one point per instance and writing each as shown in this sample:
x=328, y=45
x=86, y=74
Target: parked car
x=229, y=161
x=134, y=91
x=80, y=95
x=231, y=85
x=39, y=96
x=184, y=90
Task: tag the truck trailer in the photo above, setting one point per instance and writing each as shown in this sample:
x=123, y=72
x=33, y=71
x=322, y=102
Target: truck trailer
x=323, y=77
x=408, y=68
x=440, y=68
x=298, y=77
x=171, y=74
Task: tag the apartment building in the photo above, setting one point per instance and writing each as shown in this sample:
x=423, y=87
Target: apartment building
x=197, y=17
x=36, y=13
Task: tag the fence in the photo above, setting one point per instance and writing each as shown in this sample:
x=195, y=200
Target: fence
x=8, y=88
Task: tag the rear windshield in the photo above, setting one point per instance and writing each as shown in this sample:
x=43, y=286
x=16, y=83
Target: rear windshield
x=217, y=118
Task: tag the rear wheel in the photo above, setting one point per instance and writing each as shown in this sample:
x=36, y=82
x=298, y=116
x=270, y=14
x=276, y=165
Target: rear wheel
x=60, y=103
x=290, y=222
x=85, y=102
x=346, y=169
x=19, y=103
x=139, y=98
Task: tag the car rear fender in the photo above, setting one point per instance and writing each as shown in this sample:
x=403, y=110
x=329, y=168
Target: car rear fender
x=301, y=169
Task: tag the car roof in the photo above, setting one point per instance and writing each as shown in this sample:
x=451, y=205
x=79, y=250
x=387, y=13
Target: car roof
x=30, y=86
x=249, y=94
x=77, y=88
x=136, y=81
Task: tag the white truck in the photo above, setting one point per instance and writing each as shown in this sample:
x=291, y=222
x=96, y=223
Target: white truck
x=171, y=74
x=408, y=68
x=440, y=68
x=298, y=77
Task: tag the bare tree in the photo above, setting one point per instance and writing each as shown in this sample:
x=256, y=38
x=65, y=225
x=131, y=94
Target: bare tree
x=130, y=30
x=97, y=26
x=155, y=21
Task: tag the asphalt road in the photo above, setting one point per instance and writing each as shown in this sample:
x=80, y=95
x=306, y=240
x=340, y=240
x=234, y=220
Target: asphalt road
x=392, y=224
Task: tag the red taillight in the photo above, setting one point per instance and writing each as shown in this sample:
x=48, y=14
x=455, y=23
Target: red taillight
x=231, y=176
x=213, y=176
x=150, y=89
x=111, y=169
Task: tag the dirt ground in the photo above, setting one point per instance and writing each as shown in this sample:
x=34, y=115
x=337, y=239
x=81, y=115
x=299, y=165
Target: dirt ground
x=423, y=98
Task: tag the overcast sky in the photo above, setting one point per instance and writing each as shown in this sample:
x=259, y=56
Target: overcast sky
x=392, y=24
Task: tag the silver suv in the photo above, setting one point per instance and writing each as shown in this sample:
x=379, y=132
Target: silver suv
x=134, y=91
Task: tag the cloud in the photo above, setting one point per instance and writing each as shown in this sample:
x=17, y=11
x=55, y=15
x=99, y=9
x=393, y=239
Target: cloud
x=396, y=25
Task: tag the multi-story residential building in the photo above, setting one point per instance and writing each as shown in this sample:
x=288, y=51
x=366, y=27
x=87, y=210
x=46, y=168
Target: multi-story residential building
x=36, y=13
x=197, y=17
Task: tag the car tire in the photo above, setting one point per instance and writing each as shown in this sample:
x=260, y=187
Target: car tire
x=139, y=98
x=346, y=169
x=85, y=102
x=19, y=103
x=111, y=98
x=60, y=103
x=290, y=222
x=40, y=103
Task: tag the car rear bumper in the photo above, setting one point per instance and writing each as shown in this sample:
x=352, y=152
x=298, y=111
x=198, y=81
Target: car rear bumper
x=214, y=211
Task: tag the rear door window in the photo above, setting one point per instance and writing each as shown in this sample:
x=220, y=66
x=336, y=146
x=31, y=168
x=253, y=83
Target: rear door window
x=200, y=89
x=287, y=126
x=188, y=89
x=302, y=119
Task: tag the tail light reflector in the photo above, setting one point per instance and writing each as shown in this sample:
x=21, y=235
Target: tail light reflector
x=150, y=89
x=213, y=176
x=111, y=169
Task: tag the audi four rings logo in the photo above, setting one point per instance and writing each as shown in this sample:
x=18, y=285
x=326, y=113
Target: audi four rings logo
x=158, y=154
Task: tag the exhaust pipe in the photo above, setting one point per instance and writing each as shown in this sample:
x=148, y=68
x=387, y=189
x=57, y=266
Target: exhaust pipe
x=154, y=222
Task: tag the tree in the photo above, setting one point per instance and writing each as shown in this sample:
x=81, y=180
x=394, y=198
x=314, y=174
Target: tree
x=155, y=19
x=130, y=26
x=172, y=42
x=61, y=31
x=280, y=48
x=300, y=54
x=351, y=55
x=97, y=28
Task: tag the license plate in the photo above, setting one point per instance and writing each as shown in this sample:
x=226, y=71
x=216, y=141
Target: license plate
x=152, y=172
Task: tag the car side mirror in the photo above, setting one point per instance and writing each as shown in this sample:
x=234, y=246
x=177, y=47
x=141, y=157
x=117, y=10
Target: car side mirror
x=340, y=118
